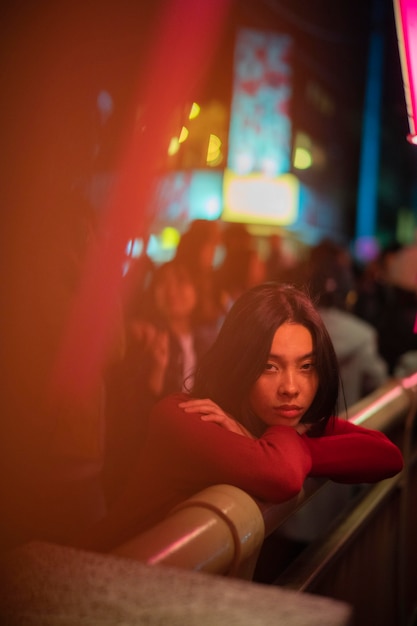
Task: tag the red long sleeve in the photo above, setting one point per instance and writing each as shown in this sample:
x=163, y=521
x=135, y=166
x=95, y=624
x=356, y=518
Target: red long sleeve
x=272, y=468
x=351, y=454
x=184, y=454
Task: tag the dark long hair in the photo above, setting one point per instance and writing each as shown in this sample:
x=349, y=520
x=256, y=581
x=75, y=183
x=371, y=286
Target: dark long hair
x=237, y=358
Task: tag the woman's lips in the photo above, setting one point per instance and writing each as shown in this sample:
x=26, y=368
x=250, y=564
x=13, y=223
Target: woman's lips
x=288, y=411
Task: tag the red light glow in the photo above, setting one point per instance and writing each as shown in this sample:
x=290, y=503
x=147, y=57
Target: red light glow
x=185, y=38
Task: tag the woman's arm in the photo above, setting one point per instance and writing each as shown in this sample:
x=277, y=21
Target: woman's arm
x=271, y=468
x=346, y=453
x=184, y=454
x=352, y=454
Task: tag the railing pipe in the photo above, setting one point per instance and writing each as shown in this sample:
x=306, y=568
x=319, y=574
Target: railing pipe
x=219, y=530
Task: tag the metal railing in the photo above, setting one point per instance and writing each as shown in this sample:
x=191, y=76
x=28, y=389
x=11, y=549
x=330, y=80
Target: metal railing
x=220, y=530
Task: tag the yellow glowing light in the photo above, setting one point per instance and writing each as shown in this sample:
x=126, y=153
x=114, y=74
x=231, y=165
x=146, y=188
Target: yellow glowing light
x=195, y=111
x=169, y=238
x=174, y=146
x=214, y=143
x=259, y=199
x=216, y=159
x=302, y=159
x=183, y=134
x=214, y=155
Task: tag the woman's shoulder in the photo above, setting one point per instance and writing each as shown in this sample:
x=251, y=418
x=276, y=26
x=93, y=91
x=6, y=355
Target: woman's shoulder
x=169, y=404
x=168, y=419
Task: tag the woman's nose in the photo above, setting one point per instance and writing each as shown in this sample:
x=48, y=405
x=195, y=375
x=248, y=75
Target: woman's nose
x=288, y=384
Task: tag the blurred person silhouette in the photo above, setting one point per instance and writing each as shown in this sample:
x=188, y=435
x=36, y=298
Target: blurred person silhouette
x=136, y=279
x=236, y=237
x=165, y=341
x=282, y=263
x=196, y=251
x=241, y=267
x=373, y=289
x=332, y=284
x=240, y=270
x=397, y=326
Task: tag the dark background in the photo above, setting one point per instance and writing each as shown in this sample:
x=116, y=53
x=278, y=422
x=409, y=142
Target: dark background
x=56, y=57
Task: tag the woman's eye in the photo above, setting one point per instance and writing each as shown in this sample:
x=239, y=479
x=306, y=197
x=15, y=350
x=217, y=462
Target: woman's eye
x=271, y=367
x=306, y=367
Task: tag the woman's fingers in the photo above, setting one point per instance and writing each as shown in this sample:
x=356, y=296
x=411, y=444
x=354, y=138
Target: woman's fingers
x=211, y=412
x=201, y=406
x=225, y=422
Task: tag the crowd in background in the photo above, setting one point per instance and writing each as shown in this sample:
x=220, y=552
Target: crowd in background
x=176, y=308
x=58, y=454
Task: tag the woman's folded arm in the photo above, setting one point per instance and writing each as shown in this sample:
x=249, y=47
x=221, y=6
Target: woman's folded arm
x=349, y=453
x=271, y=468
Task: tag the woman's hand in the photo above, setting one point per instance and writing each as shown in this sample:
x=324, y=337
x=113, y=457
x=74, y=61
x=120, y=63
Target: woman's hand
x=211, y=412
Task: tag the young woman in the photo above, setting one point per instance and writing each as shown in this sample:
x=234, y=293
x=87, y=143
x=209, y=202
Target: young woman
x=261, y=416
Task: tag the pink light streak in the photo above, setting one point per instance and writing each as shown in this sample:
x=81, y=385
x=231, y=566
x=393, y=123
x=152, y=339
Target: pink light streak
x=185, y=38
x=406, y=23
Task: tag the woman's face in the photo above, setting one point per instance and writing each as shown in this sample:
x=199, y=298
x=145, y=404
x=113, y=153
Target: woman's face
x=287, y=386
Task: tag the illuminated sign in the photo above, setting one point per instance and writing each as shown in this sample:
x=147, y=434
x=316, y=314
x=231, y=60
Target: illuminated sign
x=259, y=199
x=260, y=126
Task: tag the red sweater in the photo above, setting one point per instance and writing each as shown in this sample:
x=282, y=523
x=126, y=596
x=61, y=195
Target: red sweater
x=273, y=467
x=184, y=454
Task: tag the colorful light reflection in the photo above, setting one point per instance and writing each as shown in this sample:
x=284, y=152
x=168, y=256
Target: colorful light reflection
x=406, y=24
x=259, y=199
x=260, y=125
x=173, y=64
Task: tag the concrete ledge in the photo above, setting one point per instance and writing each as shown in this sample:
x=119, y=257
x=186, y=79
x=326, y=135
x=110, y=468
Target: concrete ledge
x=49, y=585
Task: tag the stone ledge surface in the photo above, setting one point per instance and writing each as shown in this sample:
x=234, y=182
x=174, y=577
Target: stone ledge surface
x=49, y=585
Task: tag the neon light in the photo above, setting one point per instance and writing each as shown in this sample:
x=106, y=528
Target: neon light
x=406, y=24
x=134, y=248
x=370, y=146
x=195, y=111
x=169, y=238
x=214, y=155
x=302, y=159
x=174, y=146
x=260, y=125
x=260, y=199
x=183, y=134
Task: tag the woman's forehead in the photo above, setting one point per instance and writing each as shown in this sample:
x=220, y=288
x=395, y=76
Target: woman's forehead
x=292, y=339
